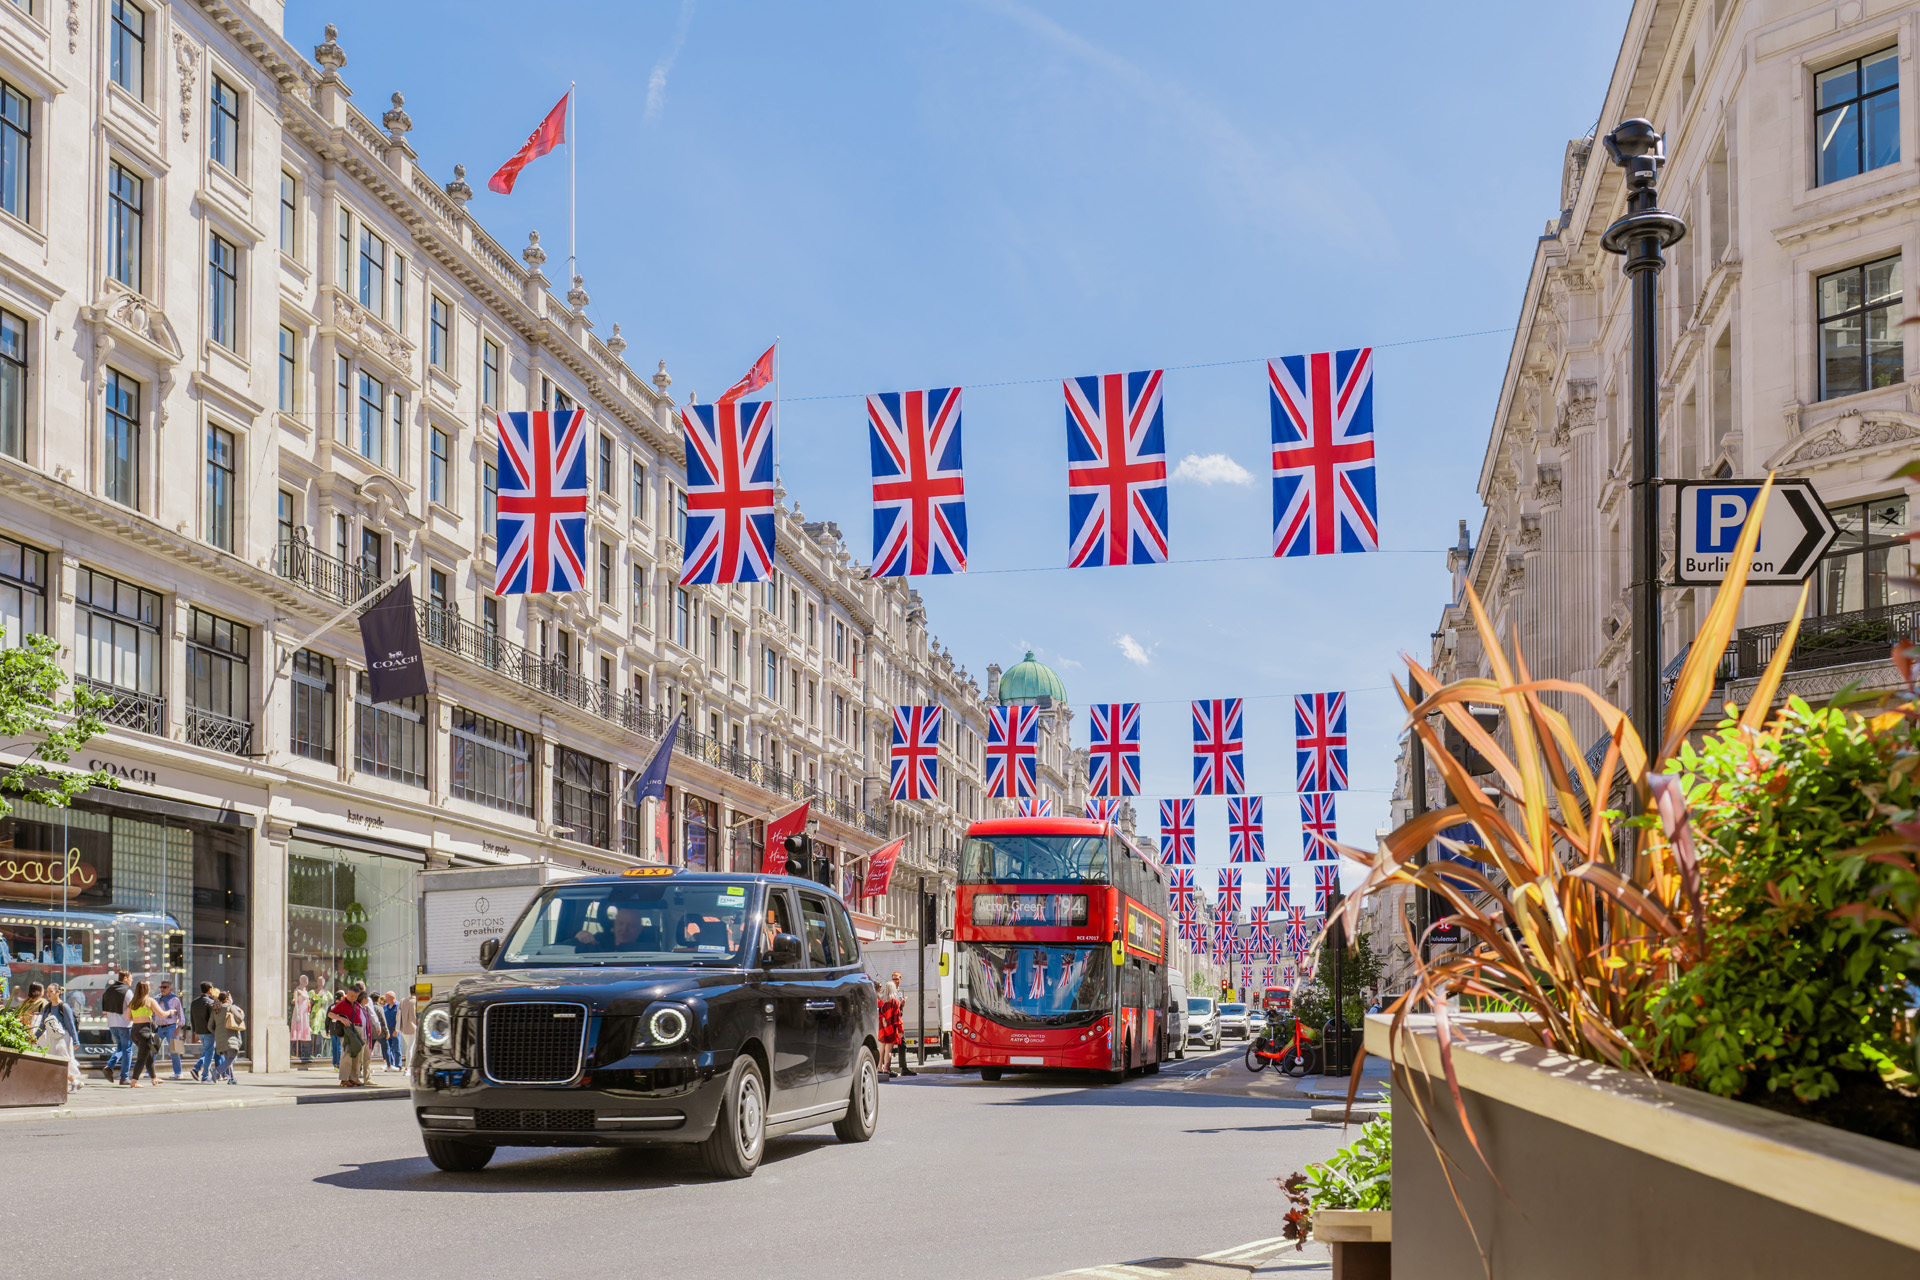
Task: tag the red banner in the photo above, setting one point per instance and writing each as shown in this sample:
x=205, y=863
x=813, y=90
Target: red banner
x=880, y=869
x=791, y=823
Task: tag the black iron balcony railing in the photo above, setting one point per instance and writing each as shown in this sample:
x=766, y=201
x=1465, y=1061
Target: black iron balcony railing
x=1865, y=635
x=216, y=732
x=342, y=581
x=131, y=709
x=444, y=628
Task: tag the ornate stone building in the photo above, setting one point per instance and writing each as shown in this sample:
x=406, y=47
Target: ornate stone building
x=251, y=357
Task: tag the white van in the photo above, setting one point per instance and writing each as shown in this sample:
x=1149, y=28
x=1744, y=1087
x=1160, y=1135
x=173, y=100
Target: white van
x=1176, y=1013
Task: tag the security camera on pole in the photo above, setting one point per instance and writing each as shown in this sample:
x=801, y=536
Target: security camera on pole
x=1641, y=236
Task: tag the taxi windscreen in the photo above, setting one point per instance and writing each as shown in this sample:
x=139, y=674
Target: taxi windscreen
x=649, y=923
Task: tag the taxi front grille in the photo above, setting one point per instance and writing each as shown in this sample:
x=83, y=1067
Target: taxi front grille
x=511, y=1118
x=534, y=1043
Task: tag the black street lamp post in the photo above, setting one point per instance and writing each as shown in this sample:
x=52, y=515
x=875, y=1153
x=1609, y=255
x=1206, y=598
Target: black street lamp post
x=1641, y=235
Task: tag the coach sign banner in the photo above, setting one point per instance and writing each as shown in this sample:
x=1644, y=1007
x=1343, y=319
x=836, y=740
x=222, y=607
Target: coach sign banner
x=391, y=635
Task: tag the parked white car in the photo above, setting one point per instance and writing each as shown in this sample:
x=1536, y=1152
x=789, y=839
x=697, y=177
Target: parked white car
x=1203, y=1021
x=1176, y=1024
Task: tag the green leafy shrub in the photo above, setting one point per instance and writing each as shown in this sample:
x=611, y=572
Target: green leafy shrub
x=1360, y=973
x=1357, y=1176
x=1798, y=995
x=14, y=1034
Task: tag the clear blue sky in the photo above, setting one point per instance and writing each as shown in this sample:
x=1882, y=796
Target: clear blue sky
x=918, y=195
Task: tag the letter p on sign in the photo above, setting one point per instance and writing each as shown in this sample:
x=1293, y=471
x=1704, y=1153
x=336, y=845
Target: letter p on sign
x=1721, y=515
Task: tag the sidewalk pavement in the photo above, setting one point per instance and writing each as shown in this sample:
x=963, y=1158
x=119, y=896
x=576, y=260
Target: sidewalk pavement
x=319, y=1083
x=1273, y=1259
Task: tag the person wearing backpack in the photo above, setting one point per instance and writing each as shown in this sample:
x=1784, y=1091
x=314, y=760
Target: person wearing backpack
x=200, y=1019
x=229, y=1025
x=349, y=1023
x=113, y=1003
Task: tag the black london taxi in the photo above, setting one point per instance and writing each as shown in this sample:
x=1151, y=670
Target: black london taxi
x=657, y=1006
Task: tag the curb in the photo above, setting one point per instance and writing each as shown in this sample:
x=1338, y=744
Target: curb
x=24, y=1114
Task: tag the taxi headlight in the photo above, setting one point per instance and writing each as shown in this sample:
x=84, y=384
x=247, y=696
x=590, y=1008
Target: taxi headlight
x=436, y=1028
x=667, y=1026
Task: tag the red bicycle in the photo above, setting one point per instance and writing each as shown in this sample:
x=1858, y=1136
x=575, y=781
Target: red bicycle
x=1298, y=1056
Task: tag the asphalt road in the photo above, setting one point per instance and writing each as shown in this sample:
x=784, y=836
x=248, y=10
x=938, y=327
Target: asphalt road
x=1005, y=1181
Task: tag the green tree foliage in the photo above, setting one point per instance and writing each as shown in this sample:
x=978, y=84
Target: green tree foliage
x=33, y=713
x=1801, y=983
x=1359, y=975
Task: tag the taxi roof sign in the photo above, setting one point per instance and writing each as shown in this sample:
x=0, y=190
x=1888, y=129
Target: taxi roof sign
x=651, y=871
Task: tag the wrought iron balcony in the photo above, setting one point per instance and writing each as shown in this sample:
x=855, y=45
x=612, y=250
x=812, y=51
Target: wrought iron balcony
x=216, y=732
x=130, y=709
x=1837, y=640
x=343, y=581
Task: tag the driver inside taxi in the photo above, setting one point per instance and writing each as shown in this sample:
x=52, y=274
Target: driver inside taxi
x=624, y=935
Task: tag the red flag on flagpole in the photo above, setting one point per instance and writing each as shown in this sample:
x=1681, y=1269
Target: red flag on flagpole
x=880, y=869
x=551, y=133
x=791, y=823
x=757, y=377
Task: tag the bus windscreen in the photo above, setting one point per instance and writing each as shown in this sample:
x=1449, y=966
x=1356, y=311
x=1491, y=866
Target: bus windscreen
x=1026, y=985
x=1023, y=859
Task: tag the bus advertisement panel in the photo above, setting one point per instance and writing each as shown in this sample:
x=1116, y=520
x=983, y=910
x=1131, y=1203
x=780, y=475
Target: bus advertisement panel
x=1060, y=950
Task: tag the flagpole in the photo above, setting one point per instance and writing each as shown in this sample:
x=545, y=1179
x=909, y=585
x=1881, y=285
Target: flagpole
x=776, y=408
x=573, y=173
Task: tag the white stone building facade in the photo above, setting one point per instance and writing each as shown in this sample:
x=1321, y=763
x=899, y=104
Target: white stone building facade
x=250, y=362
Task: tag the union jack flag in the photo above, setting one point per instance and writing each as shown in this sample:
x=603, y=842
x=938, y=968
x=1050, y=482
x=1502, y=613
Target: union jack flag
x=1297, y=930
x=730, y=536
x=1103, y=809
x=1222, y=939
x=1113, y=761
x=541, y=523
x=1182, y=891
x=1279, y=888
x=1323, y=484
x=919, y=493
x=1013, y=751
x=1245, y=820
x=1035, y=808
x=1116, y=470
x=1326, y=879
x=1229, y=899
x=1320, y=741
x=1317, y=831
x=1219, y=762
x=916, y=754
x=1176, y=833
x=1243, y=945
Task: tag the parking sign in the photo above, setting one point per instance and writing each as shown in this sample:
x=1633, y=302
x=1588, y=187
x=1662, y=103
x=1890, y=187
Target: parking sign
x=1794, y=533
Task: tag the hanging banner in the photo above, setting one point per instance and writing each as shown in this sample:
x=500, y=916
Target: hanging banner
x=391, y=635
x=790, y=823
x=880, y=869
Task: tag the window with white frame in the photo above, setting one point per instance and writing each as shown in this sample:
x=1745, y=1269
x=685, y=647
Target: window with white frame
x=223, y=124
x=120, y=457
x=16, y=151
x=1856, y=116
x=220, y=496
x=439, y=332
x=1861, y=346
x=371, y=281
x=289, y=389
x=223, y=292
x=126, y=215
x=490, y=373
x=370, y=437
x=439, y=465
x=290, y=215
x=13, y=385
x=127, y=47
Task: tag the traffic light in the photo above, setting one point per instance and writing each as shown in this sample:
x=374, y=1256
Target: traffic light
x=929, y=919
x=800, y=855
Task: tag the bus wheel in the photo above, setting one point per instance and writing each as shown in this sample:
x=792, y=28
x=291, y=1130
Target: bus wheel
x=1151, y=1069
x=990, y=1073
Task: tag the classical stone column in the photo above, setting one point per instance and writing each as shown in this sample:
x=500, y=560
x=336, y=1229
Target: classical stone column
x=269, y=1040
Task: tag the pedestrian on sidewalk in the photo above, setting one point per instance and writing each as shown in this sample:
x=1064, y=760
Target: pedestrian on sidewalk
x=200, y=1022
x=892, y=1035
x=300, y=1024
x=141, y=1013
x=229, y=1028
x=326, y=1000
x=113, y=1003
x=390, y=1013
x=347, y=1022
x=376, y=1029
x=59, y=1034
x=409, y=1015
x=170, y=1023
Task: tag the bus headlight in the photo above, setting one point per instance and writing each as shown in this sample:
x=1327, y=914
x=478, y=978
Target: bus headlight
x=436, y=1028
x=667, y=1026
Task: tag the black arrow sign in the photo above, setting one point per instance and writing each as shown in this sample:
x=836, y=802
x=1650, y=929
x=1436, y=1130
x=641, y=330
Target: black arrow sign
x=1820, y=531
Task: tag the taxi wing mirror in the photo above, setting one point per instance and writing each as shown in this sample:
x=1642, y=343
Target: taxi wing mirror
x=489, y=951
x=785, y=952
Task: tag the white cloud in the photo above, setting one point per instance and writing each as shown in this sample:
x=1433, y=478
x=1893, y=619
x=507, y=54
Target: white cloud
x=1211, y=469
x=657, y=78
x=1133, y=651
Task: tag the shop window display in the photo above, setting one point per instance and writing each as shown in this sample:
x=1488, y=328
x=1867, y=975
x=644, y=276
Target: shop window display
x=350, y=918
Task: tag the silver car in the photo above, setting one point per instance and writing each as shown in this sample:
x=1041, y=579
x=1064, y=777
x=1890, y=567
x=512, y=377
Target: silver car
x=1233, y=1021
x=1203, y=1021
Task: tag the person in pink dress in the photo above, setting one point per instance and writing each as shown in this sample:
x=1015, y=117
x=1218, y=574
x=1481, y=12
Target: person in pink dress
x=301, y=1023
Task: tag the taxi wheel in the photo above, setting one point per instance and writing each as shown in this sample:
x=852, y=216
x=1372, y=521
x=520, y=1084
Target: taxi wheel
x=457, y=1157
x=739, y=1134
x=863, y=1108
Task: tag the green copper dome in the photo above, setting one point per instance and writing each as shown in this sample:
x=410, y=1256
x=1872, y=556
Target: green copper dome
x=1029, y=681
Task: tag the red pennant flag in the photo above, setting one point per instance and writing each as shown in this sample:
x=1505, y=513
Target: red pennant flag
x=880, y=869
x=791, y=823
x=551, y=133
x=757, y=377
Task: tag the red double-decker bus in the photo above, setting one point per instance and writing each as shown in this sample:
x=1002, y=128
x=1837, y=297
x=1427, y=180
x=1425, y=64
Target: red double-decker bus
x=1060, y=950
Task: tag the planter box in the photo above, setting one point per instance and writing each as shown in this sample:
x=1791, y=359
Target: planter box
x=1361, y=1242
x=1607, y=1174
x=32, y=1080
